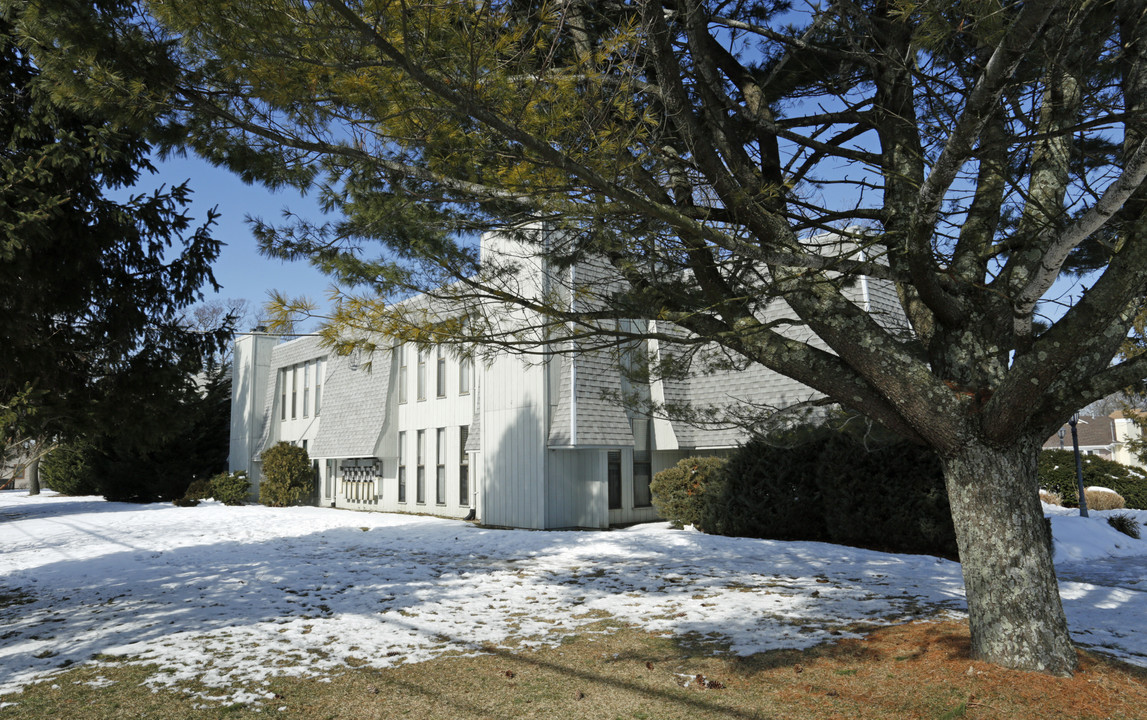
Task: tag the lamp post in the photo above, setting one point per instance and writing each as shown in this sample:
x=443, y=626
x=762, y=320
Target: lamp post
x=1078, y=464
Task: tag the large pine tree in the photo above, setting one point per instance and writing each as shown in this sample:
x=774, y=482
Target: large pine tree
x=93, y=282
x=971, y=153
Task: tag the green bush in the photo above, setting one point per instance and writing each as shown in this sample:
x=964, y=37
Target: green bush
x=767, y=489
x=678, y=491
x=68, y=470
x=231, y=488
x=885, y=493
x=199, y=489
x=842, y=482
x=288, y=478
x=1057, y=474
x=184, y=502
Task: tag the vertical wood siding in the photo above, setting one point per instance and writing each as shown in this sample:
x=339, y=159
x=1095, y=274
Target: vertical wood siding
x=513, y=444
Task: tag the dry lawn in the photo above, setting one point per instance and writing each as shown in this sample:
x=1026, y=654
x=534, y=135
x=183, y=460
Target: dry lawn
x=920, y=670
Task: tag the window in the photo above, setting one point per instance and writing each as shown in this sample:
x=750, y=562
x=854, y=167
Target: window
x=463, y=466
x=294, y=392
x=306, y=389
x=440, y=458
x=421, y=374
x=320, y=366
x=330, y=480
x=420, y=480
x=402, y=467
x=283, y=395
x=465, y=366
x=614, y=479
x=642, y=462
x=401, y=373
x=642, y=476
x=440, y=380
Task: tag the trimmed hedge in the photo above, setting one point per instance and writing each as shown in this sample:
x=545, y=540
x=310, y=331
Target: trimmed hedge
x=677, y=491
x=1057, y=473
x=844, y=483
x=288, y=478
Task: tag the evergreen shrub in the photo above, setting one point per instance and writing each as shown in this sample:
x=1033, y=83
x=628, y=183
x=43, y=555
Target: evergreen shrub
x=842, y=482
x=140, y=476
x=767, y=489
x=678, y=491
x=288, y=478
x=1057, y=474
x=231, y=488
x=68, y=470
x=199, y=489
x=885, y=493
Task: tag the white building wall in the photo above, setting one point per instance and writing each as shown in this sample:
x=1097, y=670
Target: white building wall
x=513, y=443
x=576, y=490
x=518, y=480
x=249, y=367
x=1125, y=431
x=450, y=411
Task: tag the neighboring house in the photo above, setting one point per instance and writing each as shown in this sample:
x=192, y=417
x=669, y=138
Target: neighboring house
x=14, y=474
x=513, y=442
x=1104, y=435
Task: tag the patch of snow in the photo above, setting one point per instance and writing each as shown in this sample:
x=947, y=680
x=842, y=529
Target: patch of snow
x=234, y=596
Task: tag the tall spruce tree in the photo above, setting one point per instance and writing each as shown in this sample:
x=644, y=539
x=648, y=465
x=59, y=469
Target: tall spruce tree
x=92, y=288
x=970, y=153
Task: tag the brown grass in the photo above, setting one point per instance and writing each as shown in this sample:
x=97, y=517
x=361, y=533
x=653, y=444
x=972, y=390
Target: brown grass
x=919, y=670
x=1103, y=500
x=1051, y=497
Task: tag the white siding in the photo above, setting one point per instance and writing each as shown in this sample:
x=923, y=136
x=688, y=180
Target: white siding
x=576, y=493
x=249, y=368
x=513, y=444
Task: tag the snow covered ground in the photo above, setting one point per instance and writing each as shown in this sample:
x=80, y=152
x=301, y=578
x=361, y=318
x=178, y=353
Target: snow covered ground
x=234, y=595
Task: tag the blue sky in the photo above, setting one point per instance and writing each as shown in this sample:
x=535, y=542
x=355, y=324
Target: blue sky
x=240, y=269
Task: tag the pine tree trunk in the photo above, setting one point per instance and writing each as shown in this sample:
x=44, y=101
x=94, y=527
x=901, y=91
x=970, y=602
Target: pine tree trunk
x=1014, y=607
x=34, y=476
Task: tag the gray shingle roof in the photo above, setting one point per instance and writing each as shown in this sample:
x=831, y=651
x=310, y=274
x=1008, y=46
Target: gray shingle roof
x=561, y=431
x=1092, y=432
x=601, y=421
x=714, y=387
x=354, y=407
x=600, y=418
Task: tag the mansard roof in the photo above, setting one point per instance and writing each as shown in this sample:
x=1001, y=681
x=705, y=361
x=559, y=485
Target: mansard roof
x=354, y=406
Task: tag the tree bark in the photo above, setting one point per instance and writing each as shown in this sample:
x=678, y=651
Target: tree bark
x=1014, y=607
x=34, y=476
